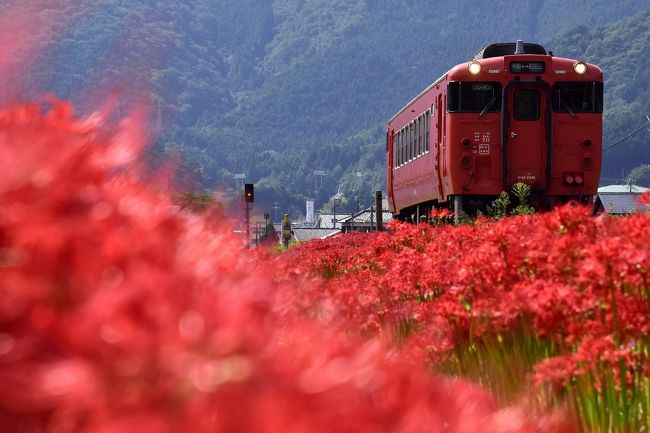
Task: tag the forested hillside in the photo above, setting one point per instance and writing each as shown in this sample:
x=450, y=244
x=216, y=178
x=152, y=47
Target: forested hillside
x=622, y=50
x=278, y=89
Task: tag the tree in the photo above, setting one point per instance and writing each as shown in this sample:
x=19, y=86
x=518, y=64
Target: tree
x=639, y=175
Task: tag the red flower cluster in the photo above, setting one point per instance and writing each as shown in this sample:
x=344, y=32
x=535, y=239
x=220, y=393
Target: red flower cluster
x=577, y=281
x=645, y=198
x=118, y=313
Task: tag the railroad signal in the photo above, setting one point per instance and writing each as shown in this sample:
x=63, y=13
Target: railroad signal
x=249, y=193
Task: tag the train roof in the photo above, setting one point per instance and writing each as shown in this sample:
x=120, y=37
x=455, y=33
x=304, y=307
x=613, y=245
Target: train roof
x=493, y=50
x=507, y=49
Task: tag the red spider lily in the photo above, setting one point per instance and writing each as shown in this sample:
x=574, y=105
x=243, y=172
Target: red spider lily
x=441, y=213
x=564, y=276
x=644, y=198
x=118, y=313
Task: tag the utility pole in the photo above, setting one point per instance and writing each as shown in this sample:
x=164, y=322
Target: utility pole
x=380, y=211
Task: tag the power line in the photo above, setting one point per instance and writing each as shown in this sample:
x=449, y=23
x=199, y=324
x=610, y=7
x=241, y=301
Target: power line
x=641, y=128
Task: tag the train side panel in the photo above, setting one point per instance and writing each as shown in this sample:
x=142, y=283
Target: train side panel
x=413, y=176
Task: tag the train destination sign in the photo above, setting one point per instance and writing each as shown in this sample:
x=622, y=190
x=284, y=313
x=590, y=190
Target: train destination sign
x=527, y=67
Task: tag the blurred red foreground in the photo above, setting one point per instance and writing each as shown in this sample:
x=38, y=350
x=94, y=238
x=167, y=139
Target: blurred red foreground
x=119, y=314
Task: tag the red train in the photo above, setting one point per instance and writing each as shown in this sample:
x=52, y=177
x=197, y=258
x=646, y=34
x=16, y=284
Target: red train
x=515, y=113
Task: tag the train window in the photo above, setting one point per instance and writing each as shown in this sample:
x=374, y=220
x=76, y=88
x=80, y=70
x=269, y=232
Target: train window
x=416, y=132
x=401, y=147
x=421, y=138
x=395, y=150
x=395, y=147
x=406, y=145
x=419, y=135
x=414, y=139
x=428, y=133
x=402, y=142
x=416, y=148
x=411, y=139
x=408, y=142
x=578, y=97
x=473, y=97
x=526, y=104
x=414, y=136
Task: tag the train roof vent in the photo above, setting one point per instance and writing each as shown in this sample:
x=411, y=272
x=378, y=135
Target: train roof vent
x=507, y=49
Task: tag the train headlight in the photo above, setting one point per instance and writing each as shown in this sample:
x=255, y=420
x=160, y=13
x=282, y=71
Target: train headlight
x=580, y=67
x=474, y=67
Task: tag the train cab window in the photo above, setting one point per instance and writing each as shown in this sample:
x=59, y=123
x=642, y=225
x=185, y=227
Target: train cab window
x=473, y=97
x=527, y=104
x=578, y=97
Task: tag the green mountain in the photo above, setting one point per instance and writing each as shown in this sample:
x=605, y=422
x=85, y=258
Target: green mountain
x=282, y=89
x=622, y=50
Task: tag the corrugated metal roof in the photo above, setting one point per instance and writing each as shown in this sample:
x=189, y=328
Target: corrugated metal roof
x=617, y=204
x=365, y=216
x=306, y=233
x=620, y=189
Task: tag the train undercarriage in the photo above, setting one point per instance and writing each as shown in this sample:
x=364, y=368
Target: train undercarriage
x=461, y=207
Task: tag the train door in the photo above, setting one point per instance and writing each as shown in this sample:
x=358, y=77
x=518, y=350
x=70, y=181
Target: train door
x=439, y=109
x=526, y=135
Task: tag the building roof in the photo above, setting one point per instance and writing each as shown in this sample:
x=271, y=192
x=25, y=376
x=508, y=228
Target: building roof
x=326, y=221
x=365, y=216
x=302, y=234
x=622, y=189
x=617, y=204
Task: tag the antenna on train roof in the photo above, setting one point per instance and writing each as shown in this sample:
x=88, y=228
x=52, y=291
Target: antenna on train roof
x=520, y=47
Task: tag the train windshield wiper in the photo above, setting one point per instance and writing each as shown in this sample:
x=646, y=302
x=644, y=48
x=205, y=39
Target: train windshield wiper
x=487, y=107
x=567, y=106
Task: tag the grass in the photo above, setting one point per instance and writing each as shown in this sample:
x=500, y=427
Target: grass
x=602, y=403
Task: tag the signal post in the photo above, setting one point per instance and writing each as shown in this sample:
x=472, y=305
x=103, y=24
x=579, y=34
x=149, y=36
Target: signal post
x=249, y=197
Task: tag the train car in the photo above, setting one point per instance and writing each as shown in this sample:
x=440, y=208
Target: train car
x=514, y=113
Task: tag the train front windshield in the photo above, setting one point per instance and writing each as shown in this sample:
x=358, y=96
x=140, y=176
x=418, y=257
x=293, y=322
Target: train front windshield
x=473, y=97
x=578, y=97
